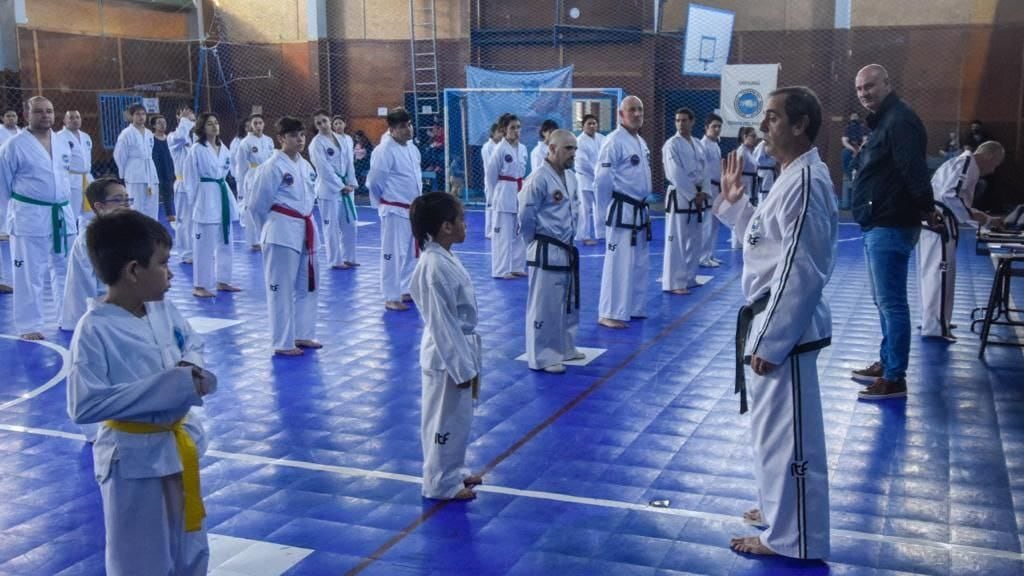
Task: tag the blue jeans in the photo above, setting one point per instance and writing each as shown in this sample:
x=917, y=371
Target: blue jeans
x=887, y=251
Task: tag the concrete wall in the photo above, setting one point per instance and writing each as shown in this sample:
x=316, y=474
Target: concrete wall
x=111, y=17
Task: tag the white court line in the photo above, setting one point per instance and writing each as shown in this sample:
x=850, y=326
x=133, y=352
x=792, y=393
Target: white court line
x=65, y=367
x=542, y=495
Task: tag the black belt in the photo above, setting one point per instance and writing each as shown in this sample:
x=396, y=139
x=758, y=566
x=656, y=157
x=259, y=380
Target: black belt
x=543, y=242
x=949, y=227
x=744, y=321
x=640, y=208
x=672, y=206
x=755, y=187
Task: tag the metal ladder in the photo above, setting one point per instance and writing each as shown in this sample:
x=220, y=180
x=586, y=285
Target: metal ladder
x=423, y=57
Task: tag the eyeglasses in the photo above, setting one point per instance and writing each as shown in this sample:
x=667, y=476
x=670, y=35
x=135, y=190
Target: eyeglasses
x=121, y=200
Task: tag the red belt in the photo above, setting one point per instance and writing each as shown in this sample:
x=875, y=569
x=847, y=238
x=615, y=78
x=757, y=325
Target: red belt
x=395, y=204
x=310, y=235
x=518, y=181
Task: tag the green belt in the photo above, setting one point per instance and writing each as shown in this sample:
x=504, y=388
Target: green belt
x=60, y=227
x=348, y=203
x=225, y=208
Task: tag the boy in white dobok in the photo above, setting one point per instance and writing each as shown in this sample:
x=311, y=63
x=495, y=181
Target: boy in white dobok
x=540, y=149
x=179, y=142
x=590, y=223
x=395, y=180
x=953, y=185
x=624, y=177
x=548, y=204
x=137, y=368
x=281, y=201
x=206, y=172
x=34, y=167
x=505, y=172
x=254, y=150
x=133, y=154
x=450, y=349
x=485, y=156
x=683, y=159
x=335, y=187
x=789, y=250
x=104, y=196
x=713, y=175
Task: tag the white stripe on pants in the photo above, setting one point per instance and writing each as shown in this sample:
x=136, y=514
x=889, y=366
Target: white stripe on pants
x=33, y=257
x=624, y=276
x=447, y=414
x=550, y=330
x=184, y=234
x=589, y=220
x=790, y=463
x=144, y=519
x=936, y=288
x=212, y=256
x=397, y=257
x=291, y=305
x=508, y=251
x=683, y=241
x=144, y=199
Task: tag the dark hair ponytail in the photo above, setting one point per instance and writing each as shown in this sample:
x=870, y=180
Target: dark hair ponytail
x=428, y=212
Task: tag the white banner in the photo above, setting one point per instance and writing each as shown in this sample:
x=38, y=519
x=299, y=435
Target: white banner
x=745, y=89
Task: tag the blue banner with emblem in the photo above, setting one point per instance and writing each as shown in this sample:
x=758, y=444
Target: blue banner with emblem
x=745, y=89
x=517, y=92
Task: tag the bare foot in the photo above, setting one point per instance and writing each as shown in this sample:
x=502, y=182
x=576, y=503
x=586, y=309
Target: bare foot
x=202, y=293
x=342, y=266
x=289, y=352
x=508, y=276
x=750, y=545
x=32, y=336
x=5, y=289
x=464, y=495
x=519, y=274
x=396, y=306
x=406, y=297
x=753, y=517
x=609, y=323
x=472, y=480
x=225, y=287
x=679, y=291
x=311, y=344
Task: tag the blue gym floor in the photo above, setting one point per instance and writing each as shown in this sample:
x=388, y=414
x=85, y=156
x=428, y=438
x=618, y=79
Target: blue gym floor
x=315, y=461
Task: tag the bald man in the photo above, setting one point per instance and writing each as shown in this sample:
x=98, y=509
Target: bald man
x=548, y=207
x=79, y=181
x=623, y=176
x=34, y=167
x=891, y=196
x=953, y=187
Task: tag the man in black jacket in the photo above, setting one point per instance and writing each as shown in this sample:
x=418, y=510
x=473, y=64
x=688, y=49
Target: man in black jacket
x=891, y=197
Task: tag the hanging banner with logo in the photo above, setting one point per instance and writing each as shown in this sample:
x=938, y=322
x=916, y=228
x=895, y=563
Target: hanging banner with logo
x=745, y=89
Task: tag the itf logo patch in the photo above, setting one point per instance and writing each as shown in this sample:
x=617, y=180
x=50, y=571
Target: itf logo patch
x=748, y=103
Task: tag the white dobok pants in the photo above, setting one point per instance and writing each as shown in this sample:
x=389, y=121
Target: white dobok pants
x=292, y=306
x=624, y=276
x=936, y=275
x=145, y=199
x=550, y=329
x=508, y=250
x=397, y=257
x=447, y=414
x=35, y=263
x=212, y=263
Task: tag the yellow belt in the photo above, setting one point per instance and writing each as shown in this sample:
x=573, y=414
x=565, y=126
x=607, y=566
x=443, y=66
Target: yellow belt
x=189, y=454
x=253, y=165
x=179, y=177
x=85, y=201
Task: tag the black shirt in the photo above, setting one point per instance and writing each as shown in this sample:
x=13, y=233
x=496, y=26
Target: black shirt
x=892, y=187
x=162, y=159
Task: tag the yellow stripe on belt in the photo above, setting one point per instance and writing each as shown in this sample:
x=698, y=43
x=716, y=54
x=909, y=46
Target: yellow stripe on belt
x=189, y=454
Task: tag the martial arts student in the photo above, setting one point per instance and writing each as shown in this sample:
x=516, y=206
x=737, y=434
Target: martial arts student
x=244, y=129
x=485, y=155
x=953, y=185
x=164, y=163
x=765, y=169
x=623, y=176
x=103, y=195
x=505, y=172
x=590, y=223
x=34, y=167
x=540, y=150
x=748, y=142
x=338, y=126
x=335, y=189
x=213, y=208
x=281, y=198
x=450, y=349
x=548, y=204
x=789, y=250
x=253, y=151
x=133, y=154
x=394, y=182
x=9, y=129
x=137, y=367
x=683, y=159
x=79, y=181
x=180, y=142
x=713, y=174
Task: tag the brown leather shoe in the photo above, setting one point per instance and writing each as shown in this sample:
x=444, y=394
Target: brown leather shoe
x=882, y=389
x=870, y=374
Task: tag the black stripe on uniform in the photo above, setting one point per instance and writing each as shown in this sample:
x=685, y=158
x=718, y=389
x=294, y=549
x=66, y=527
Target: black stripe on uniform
x=798, y=445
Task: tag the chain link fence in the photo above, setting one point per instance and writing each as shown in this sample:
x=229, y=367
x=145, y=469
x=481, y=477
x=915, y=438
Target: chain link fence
x=258, y=56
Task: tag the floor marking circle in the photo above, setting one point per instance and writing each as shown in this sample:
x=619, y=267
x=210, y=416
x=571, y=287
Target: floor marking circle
x=65, y=368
